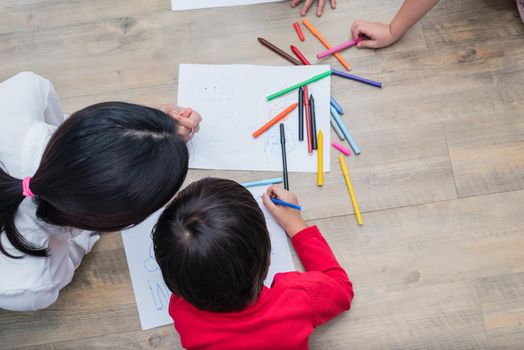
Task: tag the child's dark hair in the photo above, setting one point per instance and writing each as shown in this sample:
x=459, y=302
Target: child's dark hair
x=212, y=245
x=109, y=166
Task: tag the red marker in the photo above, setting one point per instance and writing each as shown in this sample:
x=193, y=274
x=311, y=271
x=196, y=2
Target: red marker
x=300, y=56
x=308, y=120
x=299, y=31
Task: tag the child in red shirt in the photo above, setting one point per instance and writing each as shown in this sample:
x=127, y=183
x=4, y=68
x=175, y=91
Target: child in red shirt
x=213, y=248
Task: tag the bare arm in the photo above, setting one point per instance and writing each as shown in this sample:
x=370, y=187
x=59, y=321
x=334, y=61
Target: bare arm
x=382, y=35
x=409, y=14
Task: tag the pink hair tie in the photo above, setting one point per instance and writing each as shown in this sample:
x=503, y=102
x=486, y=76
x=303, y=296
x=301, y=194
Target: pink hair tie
x=26, y=191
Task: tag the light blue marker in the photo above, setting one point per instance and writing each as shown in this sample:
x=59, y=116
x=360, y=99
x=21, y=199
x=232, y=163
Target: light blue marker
x=345, y=131
x=267, y=182
x=335, y=127
x=336, y=105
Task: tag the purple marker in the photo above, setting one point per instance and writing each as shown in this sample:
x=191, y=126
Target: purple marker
x=357, y=78
x=340, y=47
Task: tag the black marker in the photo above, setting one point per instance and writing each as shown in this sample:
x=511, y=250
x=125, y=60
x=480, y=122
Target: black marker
x=284, y=159
x=301, y=114
x=313, y=122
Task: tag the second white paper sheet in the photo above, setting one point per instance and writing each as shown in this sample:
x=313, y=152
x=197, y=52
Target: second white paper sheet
x=151, y=293
x=232, y=101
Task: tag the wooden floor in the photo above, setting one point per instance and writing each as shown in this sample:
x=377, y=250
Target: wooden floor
x=439, y=263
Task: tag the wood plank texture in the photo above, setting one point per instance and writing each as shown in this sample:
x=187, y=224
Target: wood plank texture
x=438, y=263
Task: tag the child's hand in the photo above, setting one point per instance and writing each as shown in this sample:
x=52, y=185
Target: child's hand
x=379, y=34
x=188, y=119
x=289, y=219
x=309, y=3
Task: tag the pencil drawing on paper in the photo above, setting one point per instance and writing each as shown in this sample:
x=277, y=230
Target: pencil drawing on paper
x=159, y=291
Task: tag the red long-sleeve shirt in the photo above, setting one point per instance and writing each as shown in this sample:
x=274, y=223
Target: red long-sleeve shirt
x=284, y=315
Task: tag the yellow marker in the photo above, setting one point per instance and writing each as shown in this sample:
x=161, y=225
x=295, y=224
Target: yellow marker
x=320, y=158
x=350, y=189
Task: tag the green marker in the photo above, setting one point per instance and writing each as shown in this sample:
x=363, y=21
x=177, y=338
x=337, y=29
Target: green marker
x=294, y=87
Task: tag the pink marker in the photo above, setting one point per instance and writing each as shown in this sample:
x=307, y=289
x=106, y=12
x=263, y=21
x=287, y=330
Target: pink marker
x=341, y=148
x=340, y=47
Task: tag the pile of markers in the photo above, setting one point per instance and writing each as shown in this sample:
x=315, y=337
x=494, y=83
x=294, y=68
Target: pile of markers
x=306, y=105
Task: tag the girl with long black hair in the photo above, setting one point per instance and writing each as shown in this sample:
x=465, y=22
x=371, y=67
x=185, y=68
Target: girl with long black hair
x=105, y=168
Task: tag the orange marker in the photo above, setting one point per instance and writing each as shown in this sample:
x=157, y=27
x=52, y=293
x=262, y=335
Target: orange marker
x=324, y=42
x=275, y=120
x=299, y=31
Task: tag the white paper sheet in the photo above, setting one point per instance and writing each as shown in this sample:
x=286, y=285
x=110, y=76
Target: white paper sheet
x=232, y=101
x=151, y=293
x=177, y=5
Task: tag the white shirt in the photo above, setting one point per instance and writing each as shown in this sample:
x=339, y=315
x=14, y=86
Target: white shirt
x=29, y=114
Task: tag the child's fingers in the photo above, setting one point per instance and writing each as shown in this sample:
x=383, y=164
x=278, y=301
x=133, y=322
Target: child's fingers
x=282, y=194
x=369, y=44
x=355, y=29
x=172, y=109
x=266, y=199
x=270, y=191
x=320, y=7
x=295, y=2
x=333, y=4
x=306, y=7
x=187, y=123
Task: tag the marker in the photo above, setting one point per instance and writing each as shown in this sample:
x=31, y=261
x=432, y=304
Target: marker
x=301, y=114
x=340, y=47
x=284, y=157
x=350, y=189
x=335, y=127
x=266, y=182
x=336, y=105
x=313, y=122
x=299, y=31
x=308, y=121
x=287, y=204
x=320, y=159
x=279, y=52
x=324, y=42
x=299, y=55
x=275, y=120
x=296, y=63
x=341, y=148
x=296, y=86
x=357, y=78
x=345, y=131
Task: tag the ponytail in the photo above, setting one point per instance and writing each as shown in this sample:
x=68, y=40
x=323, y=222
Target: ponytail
x=11, y=197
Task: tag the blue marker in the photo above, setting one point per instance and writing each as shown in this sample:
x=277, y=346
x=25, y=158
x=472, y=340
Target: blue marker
x=287, y=204
x=336, y=105
x=335, y=127
x=345, y=131
x=267, y=182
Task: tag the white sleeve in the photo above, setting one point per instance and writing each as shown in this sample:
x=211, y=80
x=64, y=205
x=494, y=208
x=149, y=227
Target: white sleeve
x=29, y=98
x=52, y=111
x=81, y=245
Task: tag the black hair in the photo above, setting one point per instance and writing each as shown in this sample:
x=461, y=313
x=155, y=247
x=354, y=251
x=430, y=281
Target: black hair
x=109, y=166
x=212, y=245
